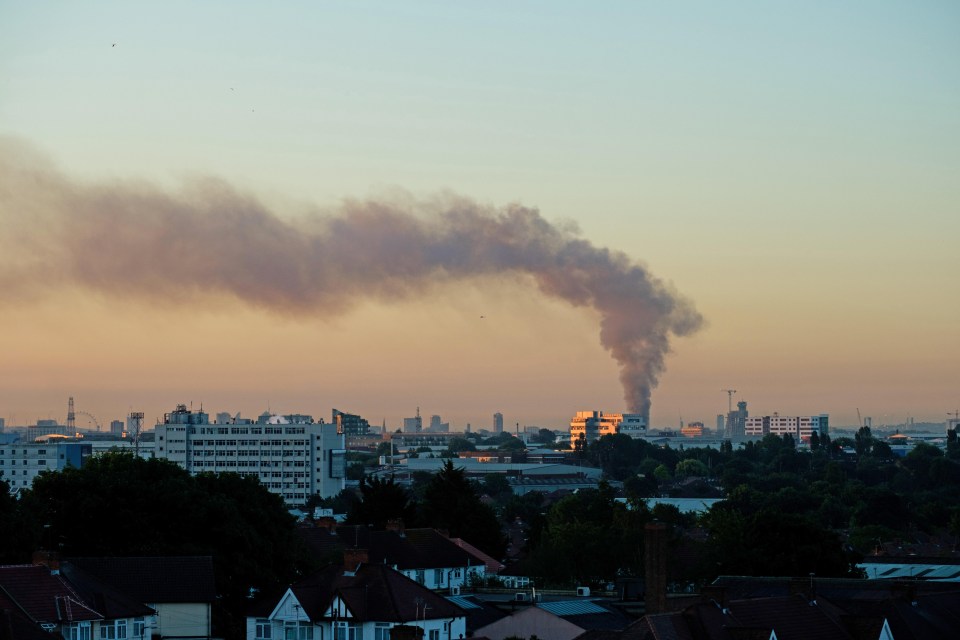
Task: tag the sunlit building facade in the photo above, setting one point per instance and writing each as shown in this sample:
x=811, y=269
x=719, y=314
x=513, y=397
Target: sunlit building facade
x=589, y=426
x=294, y=459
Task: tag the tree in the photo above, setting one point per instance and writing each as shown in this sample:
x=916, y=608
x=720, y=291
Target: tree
x=451, y=502
x=381, y=501
x=121, y=505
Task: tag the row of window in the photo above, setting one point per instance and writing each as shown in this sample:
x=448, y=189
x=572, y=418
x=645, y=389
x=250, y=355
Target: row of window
x=341, y=631
x=109, y=630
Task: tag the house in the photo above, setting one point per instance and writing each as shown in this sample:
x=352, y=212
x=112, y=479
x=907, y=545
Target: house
x=427, y=556
x=801, y=608
x=181, y=589
x=560, y=619
x=369, y=601
x=76, y=607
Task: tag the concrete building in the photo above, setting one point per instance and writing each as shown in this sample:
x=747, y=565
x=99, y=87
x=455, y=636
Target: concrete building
x=593, y=425
x=350, y=424
x=498, y=422
x=736, y=421
x=20, y=463
x=413, y=425
x=800, y=427
x=295, y=460
x=436, y=426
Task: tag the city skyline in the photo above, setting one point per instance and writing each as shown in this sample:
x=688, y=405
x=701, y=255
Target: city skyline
x=788, y=175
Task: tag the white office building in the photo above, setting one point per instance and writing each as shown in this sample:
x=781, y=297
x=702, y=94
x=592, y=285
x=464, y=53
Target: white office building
x=593, y=425
x=800, y=427
x=292, y=456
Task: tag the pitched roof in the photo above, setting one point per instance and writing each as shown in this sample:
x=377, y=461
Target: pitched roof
x=43, y=596
x=493, y=565
x=155, y=580
x=410, y=549
x=105, y=598
x=374, y=592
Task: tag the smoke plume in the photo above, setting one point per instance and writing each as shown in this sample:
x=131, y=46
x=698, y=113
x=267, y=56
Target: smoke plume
x=134, y=239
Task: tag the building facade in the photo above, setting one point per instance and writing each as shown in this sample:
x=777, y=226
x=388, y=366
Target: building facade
x=498, y=422
x=801, y=428
x=593, y=425
x=295, y=460
x=350, y=424
x=21, y=463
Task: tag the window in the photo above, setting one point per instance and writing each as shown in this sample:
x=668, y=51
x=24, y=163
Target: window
x=77, y=631
x=437, y=577
x=113, y=630
x=381, y=631
x=346, y=631
x=263, y=630
x=139, y=626
x=434, y=634
x=298, y=631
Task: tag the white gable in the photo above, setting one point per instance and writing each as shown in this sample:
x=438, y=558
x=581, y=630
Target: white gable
x=338, y=609
x=289, y=608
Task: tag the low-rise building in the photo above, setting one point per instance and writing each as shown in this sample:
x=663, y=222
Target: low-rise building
x=800, y=427
x=589, y=426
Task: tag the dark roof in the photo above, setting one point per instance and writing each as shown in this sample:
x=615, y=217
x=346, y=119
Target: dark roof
x=103, y=597
x=374, y=592
x=587, y=614
x=410, y=549
x=155, y=580
x=479, y=612
x=14, y=625
x=44, y=596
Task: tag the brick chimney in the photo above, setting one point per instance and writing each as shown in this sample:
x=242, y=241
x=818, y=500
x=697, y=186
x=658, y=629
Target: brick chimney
x=395, y=524
x=48, y=559
x=327, y=522
x=655, y=565
x=352, y=558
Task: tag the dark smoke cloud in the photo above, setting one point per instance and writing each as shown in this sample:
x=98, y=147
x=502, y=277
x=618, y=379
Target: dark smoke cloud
x=133, y=239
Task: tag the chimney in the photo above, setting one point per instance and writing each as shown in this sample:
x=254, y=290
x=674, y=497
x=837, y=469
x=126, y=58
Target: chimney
x=327, y=522
x=352, y=558
x=395, y=524
x=655, y=564
x=48, y=559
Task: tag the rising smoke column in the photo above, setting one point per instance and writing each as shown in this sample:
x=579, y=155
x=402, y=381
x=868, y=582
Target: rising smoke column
x=135, y=239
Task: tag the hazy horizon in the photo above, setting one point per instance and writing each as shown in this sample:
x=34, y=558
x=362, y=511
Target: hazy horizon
x=777, y=186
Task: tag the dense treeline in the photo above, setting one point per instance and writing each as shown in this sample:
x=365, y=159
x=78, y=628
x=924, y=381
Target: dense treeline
x=784, y=511
x=120, y=505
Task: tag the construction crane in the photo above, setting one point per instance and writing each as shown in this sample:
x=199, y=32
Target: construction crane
x=729, y=393
x=859, y=419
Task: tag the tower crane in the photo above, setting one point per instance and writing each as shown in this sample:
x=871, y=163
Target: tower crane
x=729, y=393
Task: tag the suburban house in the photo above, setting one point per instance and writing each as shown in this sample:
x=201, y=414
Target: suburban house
x=426, y=556
x=181, y=589
x=368, y=601
x=40, y=596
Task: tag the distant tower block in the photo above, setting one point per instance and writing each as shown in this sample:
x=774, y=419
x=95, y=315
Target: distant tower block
x=71, y=417
x=498, y=422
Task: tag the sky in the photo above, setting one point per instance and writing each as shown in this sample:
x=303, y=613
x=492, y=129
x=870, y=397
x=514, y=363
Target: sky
x=224, y=204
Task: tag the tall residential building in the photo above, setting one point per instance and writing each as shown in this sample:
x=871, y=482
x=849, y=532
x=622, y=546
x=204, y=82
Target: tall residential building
x=720, y=423
x=436, y=426
x=498, y=422
x=350, y=424
x=592, y=425
x=116, y=427
x=295, y=459
x=736, y=421
x=800, y=427
x=413, y=425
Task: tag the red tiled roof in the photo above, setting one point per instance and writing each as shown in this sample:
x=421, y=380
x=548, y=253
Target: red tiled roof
x=44, y=596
